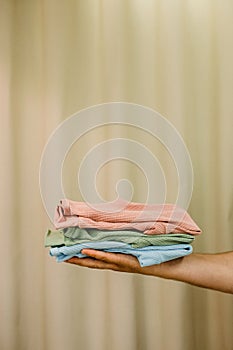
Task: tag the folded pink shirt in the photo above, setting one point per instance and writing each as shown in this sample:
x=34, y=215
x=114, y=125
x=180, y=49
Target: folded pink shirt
x=148, y=218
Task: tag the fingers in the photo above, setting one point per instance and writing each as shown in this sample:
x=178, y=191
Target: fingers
x=111, y=261
x=112, y=258
x=91, y=263
x=123, y=261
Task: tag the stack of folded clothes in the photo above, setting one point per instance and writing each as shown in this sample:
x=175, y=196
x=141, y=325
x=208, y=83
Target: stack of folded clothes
x=153, y=233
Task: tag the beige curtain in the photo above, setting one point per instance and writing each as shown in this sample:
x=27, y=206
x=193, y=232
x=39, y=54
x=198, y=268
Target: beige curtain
x=58, y=57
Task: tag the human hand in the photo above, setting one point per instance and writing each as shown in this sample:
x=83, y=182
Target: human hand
x=110, y=261
x=213, y=271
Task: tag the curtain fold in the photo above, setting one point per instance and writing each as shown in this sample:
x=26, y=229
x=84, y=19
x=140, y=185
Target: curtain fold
x=60, y=57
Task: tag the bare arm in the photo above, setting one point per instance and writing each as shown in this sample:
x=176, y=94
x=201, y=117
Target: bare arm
x=214, y=271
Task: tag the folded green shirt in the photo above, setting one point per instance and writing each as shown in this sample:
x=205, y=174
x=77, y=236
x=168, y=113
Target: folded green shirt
x=75, y=235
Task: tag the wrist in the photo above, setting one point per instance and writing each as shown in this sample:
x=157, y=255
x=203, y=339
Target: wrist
x=169, y=269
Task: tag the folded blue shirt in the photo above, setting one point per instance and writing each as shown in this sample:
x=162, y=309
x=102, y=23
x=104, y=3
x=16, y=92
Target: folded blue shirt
x=146, y=256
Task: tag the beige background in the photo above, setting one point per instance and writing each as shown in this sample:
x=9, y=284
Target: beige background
x=58, y=57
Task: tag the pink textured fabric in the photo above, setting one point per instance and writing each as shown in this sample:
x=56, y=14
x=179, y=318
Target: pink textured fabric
x=148, y=218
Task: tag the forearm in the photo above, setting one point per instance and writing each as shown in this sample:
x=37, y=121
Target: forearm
x=214, y=271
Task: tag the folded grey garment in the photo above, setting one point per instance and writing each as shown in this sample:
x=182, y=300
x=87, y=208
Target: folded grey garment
x=75, y=235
